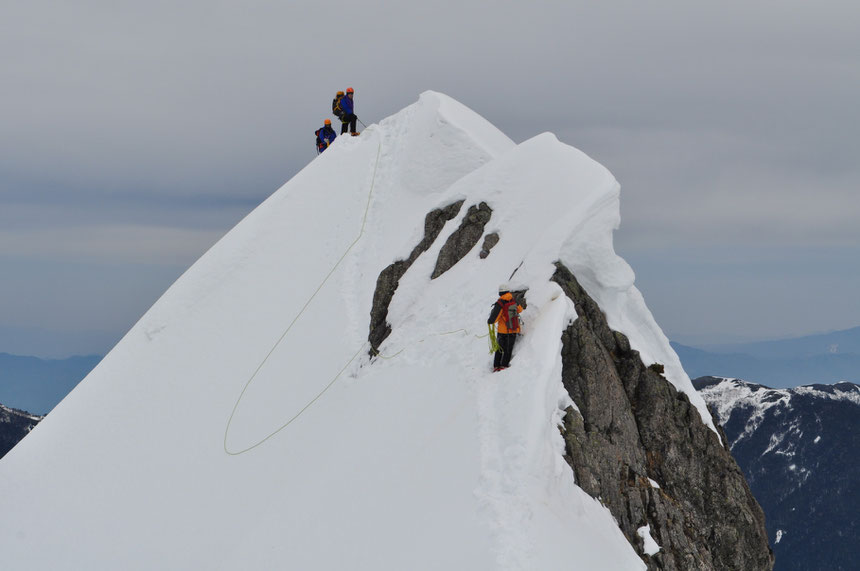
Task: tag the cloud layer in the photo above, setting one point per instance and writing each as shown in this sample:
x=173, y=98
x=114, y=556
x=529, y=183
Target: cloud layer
x=137, y=133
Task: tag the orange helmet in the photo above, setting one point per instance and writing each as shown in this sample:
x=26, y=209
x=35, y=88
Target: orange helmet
x=327, y=122
x=349, y=90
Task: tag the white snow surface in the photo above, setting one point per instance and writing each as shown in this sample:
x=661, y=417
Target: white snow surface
x=650, y=545
x=241, y=425
x=849, y=393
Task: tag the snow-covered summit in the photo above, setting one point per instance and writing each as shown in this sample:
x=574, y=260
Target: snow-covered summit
x=242, y=424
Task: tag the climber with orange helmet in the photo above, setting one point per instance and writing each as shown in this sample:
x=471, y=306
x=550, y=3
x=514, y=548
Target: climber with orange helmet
x=506, y=315
x=325, y=136
x=348, y=118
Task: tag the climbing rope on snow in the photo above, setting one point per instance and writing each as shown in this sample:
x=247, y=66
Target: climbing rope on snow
x=376, y=353
x=290, y=326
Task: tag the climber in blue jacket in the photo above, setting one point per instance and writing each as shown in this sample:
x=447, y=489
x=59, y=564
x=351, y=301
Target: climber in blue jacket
x=348, y=118
x=325, y=136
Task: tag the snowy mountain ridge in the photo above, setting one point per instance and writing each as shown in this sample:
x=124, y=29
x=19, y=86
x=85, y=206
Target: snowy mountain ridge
x=725, y=395
x=249, y=428
x=23, y=414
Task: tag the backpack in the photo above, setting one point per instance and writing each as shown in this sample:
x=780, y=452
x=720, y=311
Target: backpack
x=335, y=104
x=511, y=315
x=321, y=146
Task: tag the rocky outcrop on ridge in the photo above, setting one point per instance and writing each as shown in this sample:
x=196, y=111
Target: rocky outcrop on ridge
x=389, y=278
x=458, y=244
x=463, y=238
x=635, y=443
x=640, y=447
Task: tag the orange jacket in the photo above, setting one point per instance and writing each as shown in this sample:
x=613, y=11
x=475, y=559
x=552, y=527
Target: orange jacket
x=500, y=317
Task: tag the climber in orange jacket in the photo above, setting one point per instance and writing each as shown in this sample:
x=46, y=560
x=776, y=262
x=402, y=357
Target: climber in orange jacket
x=505, y=314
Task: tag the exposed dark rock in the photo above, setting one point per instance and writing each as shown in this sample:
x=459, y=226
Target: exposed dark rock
x=463, y=239
x=490, y=240
x=520, y=297
x=634, y=425
x=389, y=278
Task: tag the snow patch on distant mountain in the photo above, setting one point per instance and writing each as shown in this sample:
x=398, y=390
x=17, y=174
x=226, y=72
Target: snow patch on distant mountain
x=14, y=425
x=840, y=392
x=797, y=448
x=732, y=393
x=726, y=396
x=6, y=413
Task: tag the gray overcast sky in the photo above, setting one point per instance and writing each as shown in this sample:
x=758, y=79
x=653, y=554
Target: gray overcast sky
x=135, y=134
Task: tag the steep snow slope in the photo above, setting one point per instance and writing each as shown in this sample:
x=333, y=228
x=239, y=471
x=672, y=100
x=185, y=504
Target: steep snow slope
x=243, y=426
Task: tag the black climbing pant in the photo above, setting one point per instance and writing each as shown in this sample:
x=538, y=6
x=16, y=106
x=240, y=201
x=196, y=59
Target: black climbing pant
x=349, y=120
x=502, y=357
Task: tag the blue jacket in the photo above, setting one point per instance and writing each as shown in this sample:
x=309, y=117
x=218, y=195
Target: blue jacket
x=347, y=104
x=326, y=135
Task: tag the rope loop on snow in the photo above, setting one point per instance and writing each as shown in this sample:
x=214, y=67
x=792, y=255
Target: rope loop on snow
x=290, y=326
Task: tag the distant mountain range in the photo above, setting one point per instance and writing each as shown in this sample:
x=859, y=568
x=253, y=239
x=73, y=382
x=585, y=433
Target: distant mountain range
x=826, y=358
x=798, y=449
x=37, y=385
